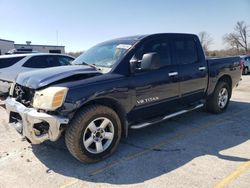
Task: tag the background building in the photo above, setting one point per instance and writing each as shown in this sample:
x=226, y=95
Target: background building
x=8, y=45
x=5, y=46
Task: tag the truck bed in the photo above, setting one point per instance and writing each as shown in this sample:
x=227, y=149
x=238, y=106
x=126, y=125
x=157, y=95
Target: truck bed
x=223, y=66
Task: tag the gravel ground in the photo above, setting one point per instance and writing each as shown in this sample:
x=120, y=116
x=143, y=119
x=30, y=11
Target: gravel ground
x=197, y=149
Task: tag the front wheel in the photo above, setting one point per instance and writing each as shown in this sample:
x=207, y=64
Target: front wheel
x=93, y=134
x=218, y=102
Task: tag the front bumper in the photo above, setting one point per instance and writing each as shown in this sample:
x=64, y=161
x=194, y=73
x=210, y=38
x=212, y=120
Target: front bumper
x=30, y=117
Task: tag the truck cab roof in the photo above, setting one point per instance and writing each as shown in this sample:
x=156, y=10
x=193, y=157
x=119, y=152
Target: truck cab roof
x=143, y=36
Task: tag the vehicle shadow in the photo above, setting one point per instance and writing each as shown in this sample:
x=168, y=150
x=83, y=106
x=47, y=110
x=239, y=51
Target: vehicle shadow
x=159, y=149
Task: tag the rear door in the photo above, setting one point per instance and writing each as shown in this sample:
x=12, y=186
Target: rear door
x=193, y=68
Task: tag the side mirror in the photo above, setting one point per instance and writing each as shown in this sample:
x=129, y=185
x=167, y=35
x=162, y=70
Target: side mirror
x=150, y=61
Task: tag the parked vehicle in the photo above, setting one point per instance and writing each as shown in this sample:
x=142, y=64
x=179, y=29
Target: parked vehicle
x=130, y=82
x=12, y=65
x=245, y=60
x=23, y=51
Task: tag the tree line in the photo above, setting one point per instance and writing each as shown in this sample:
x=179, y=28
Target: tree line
x=237, y=41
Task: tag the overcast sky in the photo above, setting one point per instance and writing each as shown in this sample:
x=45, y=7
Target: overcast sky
x=83, y=23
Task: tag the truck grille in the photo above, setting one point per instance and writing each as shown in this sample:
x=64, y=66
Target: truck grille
x=23, y=95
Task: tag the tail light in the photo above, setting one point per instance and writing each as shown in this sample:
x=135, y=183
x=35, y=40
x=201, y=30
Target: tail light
x=241, y=65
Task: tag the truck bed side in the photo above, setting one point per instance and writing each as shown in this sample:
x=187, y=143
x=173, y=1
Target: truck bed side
x=223, y=68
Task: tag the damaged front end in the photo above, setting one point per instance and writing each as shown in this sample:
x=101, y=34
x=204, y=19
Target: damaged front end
x=37, y=126
x=35, y=98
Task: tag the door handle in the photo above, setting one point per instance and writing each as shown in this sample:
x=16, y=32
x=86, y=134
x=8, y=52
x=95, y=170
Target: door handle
x=171, y=74
x=202, y=68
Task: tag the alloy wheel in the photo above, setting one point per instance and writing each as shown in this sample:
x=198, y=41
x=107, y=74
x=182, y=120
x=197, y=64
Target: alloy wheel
x=223, y=98
x=98, y=135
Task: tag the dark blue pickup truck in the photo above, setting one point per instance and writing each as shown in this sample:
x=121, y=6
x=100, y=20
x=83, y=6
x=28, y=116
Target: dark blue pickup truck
x=130, y=82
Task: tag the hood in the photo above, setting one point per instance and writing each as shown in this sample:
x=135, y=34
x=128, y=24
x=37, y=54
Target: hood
x=40, y=78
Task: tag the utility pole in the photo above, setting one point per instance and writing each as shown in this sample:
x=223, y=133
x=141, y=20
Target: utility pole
x=57, y=37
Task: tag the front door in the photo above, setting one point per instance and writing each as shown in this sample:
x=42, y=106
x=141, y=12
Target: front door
x=156, y=91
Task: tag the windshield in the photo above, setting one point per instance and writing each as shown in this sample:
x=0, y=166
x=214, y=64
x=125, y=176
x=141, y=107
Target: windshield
x=104, y=55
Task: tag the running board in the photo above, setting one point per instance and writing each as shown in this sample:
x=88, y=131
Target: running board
x=165, y=117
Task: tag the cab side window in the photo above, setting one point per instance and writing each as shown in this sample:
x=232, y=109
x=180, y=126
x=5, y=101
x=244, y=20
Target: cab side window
x=185, y=50
x=160, y=46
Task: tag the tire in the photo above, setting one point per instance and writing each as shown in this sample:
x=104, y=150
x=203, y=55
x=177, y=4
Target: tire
x=245, y=71
x=214, y=103
x=90, y=128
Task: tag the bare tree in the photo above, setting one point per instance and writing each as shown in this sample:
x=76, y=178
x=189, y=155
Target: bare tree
x=206, y=40
x=75, y=54
x=241, y=30
x=232, y=40
x=239, y=38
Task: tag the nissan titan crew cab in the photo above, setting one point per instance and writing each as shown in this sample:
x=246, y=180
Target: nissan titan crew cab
x=122, y=84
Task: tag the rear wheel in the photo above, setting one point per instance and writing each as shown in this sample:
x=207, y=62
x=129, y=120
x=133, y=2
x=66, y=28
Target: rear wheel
x=93, y=134
x=218, y=102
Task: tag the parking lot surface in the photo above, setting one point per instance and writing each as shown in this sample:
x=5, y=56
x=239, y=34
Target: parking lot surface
x=197, y=149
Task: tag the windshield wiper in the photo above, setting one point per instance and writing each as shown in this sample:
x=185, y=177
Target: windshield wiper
x=96, y=67
x=91, y=65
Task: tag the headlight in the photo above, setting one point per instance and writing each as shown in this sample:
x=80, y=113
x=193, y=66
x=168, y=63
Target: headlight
x=50, y=98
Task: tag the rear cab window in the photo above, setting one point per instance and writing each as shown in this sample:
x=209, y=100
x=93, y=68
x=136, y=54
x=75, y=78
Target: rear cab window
x=9, y=61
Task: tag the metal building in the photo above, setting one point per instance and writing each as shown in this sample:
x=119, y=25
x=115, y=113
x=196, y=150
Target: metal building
x=8, y=45
x=5, y=46
x=39, y=48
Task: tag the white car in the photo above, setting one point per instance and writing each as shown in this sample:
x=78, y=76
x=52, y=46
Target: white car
x=12, y=65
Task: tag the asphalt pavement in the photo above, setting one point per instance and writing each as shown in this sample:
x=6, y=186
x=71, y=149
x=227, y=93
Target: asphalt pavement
x=197, y=149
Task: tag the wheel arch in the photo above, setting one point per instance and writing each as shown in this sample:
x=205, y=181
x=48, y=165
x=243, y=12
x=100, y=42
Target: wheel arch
x=116, y=106
x=226, y=78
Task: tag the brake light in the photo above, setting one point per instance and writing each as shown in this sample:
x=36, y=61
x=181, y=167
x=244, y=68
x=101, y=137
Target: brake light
x=241, y=65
